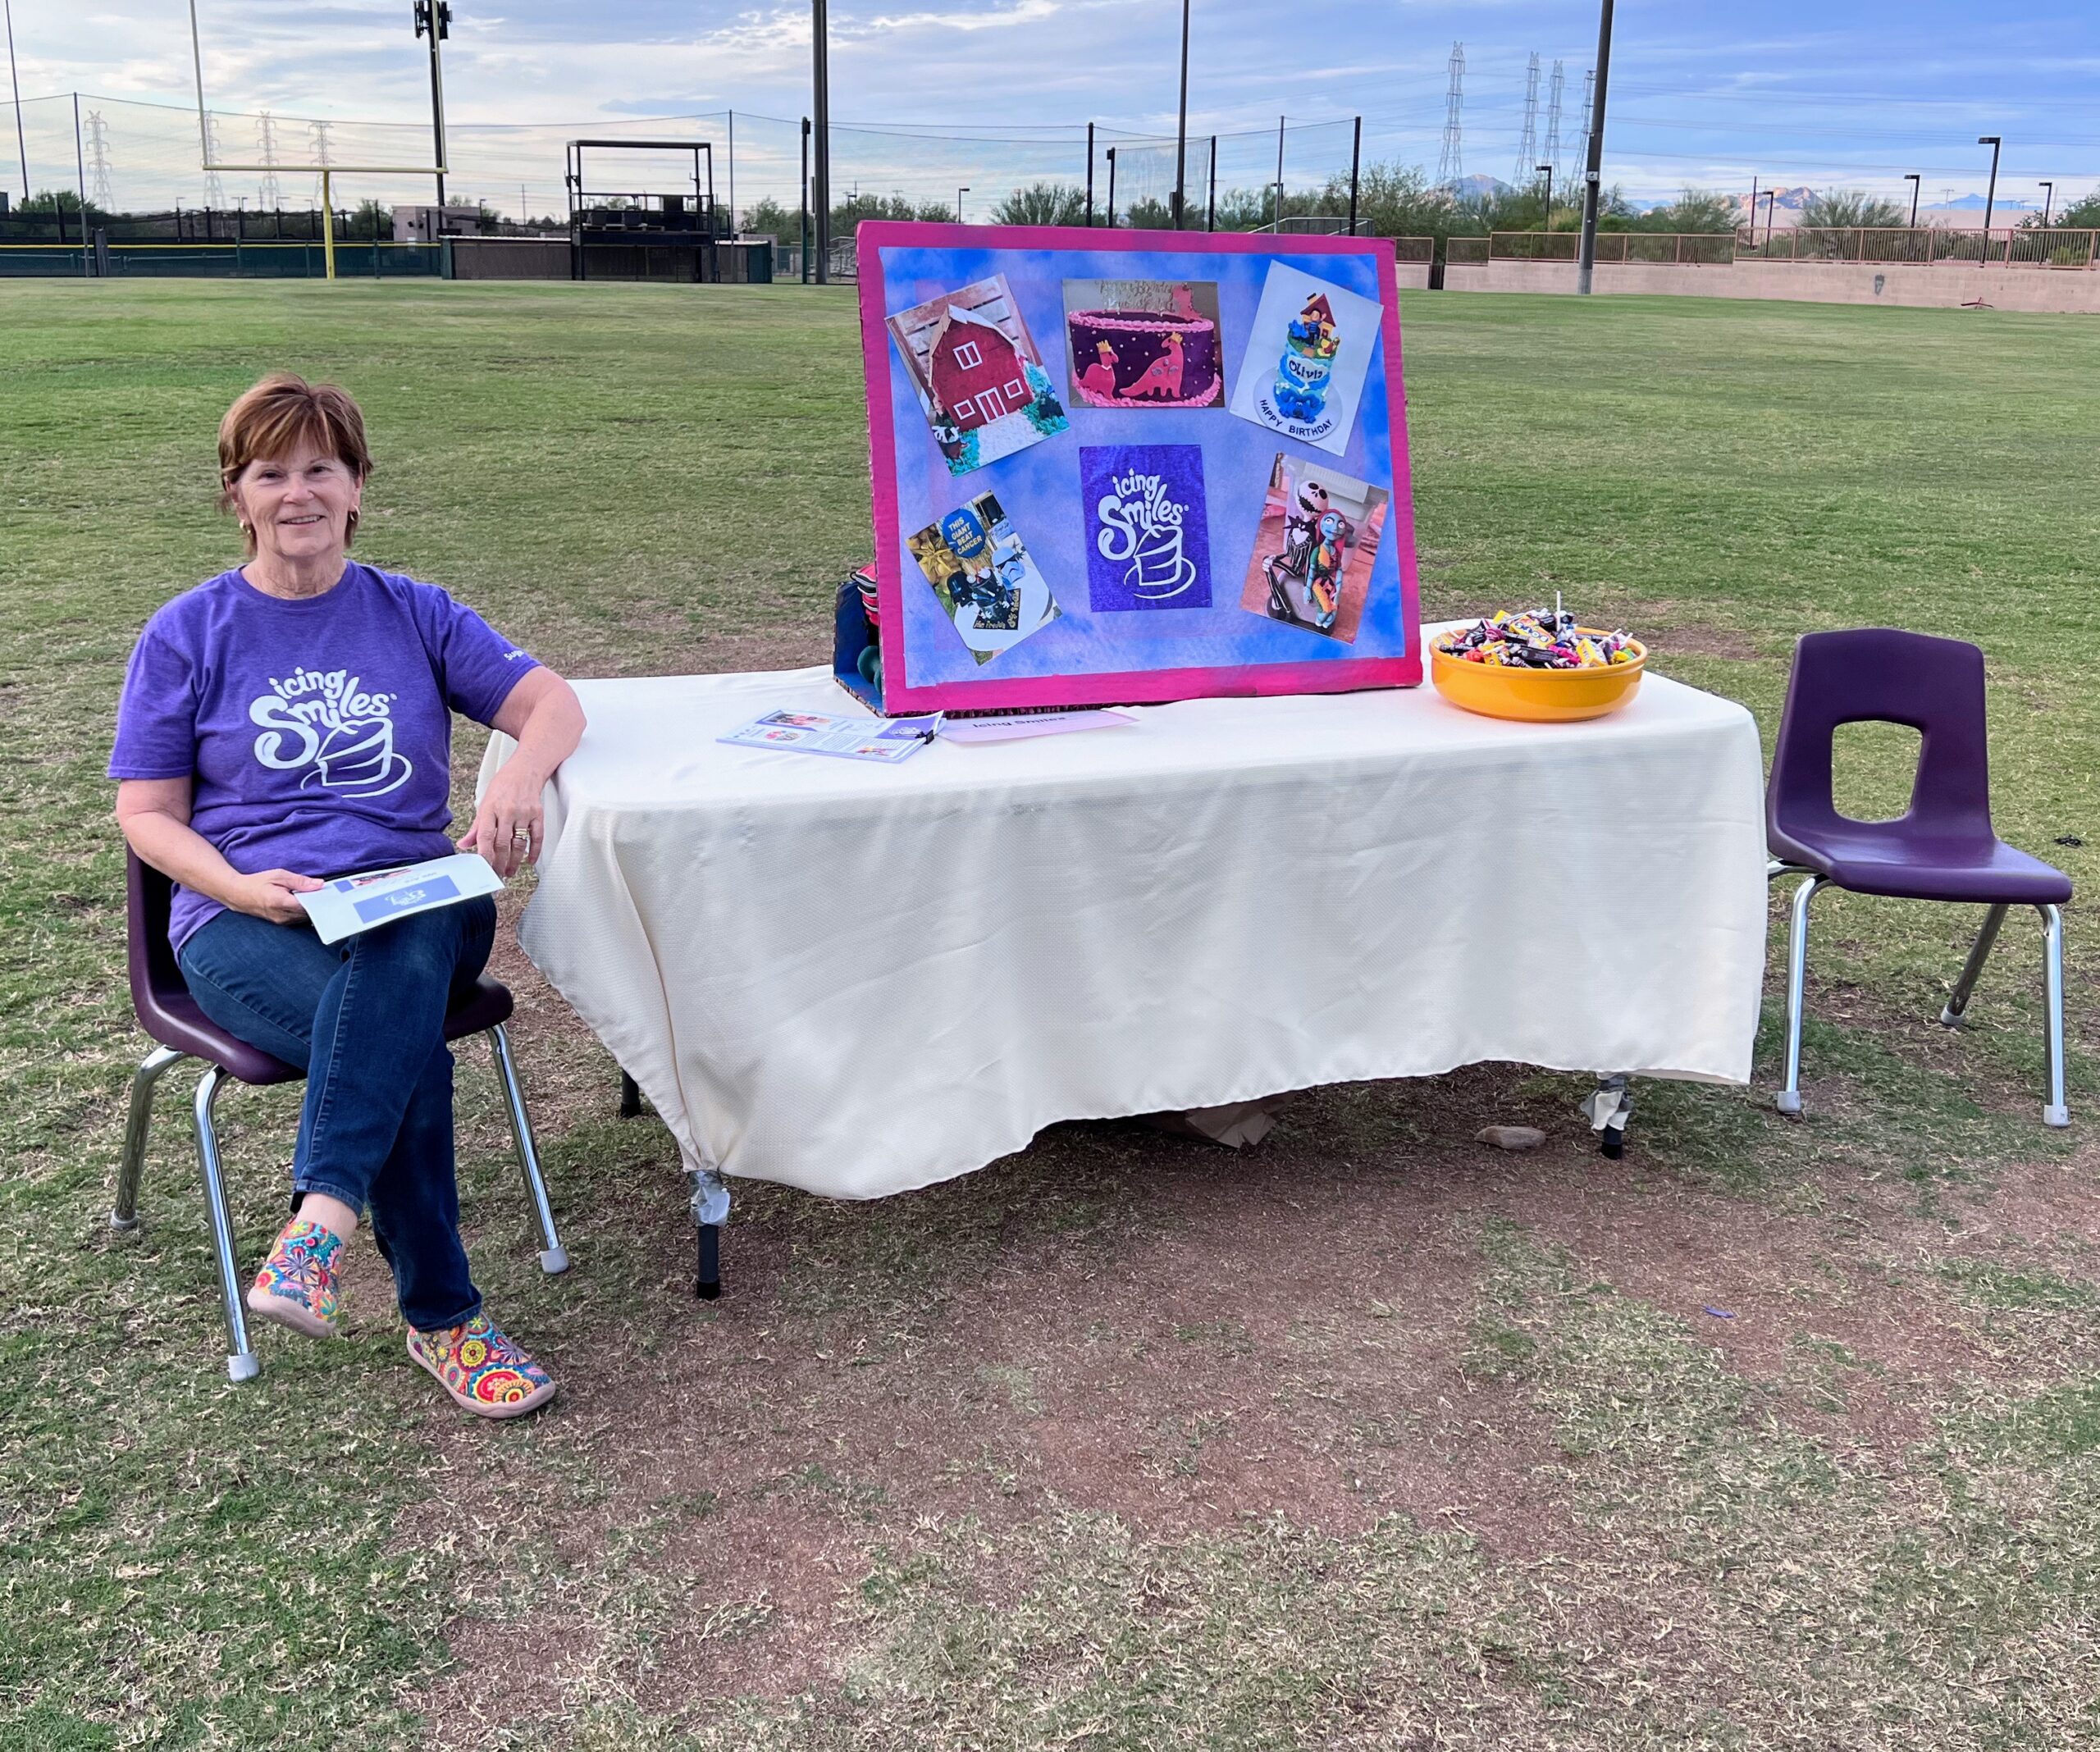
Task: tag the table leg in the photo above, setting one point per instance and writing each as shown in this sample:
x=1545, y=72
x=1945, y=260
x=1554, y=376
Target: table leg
x=710, y=1211
x=1608, y=1111
x=630, y=1097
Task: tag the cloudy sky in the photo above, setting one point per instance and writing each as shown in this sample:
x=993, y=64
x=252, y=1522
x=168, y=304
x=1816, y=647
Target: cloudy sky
x=945, y=94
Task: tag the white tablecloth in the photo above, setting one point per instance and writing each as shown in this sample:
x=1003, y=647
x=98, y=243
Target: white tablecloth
x=858, y=979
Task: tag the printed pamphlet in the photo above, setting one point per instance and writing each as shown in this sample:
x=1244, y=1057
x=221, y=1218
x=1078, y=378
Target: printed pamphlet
x=885, y=739
x=351, y=904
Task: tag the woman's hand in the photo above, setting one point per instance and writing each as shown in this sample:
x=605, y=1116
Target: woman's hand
x=271, y=894
x=510, y=822
x=543, y=716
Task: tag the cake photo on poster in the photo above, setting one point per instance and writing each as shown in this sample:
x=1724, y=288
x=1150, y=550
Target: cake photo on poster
x=978, y=374
x=1313, y=551
x=986, y=581
x=1307, y=356
x=1144, y=343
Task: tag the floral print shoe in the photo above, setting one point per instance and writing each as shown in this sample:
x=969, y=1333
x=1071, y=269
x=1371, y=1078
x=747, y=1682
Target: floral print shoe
x=296, y=1286
x=483, y=1370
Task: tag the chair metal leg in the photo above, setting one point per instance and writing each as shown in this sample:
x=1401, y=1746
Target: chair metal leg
x=1789, y=1098
x=630, y=1097
x=241, y=1364
x=2056, y=1111
x=554, y=1258
x=1978, y=953
x=123, y=1214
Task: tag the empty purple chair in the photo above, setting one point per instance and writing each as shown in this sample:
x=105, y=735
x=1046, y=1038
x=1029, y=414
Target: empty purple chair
x=171, y=1016
x=1941, y=848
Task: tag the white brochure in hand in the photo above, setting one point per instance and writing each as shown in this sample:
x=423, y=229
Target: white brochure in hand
x=351, y=904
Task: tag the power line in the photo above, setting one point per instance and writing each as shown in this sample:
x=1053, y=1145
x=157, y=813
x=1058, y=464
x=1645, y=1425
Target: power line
x=1527, y=142
x=98, y=160
x=1451, y=162
x=1552, y=155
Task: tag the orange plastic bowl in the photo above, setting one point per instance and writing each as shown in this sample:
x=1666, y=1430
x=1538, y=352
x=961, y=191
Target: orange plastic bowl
x=1536, y=696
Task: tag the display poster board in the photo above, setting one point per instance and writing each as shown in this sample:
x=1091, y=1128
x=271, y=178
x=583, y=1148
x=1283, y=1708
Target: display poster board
x=1120, y=467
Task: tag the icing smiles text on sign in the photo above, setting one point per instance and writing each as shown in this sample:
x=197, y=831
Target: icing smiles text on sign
x=1149, y=546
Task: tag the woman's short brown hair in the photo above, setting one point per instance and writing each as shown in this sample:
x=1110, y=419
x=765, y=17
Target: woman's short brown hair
x=278, y=414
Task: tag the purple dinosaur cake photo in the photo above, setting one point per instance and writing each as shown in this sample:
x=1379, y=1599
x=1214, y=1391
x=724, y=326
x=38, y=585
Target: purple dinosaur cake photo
x=1143, y=343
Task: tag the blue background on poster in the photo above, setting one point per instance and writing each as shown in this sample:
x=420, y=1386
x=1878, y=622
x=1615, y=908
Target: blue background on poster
x=1040, y=491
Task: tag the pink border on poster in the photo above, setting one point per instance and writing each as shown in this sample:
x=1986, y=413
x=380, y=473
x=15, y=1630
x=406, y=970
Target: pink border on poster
x=1127, y=686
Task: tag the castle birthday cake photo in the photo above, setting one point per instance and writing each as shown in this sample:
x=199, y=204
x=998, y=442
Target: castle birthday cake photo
x=1143, y=343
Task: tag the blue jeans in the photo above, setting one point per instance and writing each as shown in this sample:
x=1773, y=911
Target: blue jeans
x=366, y=1017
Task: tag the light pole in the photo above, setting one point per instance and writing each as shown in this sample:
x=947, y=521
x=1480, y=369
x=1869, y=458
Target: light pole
x=1181, y=128
x=434, y=20
x=1990, y=199
x=1771, y=197
x=802, y=236
x=959, y=194
x=820, y=103
x=1112, y=187
x=1547, y=169
x=21, y=144
x=2048, y=200
x=1594, y=170
x=1911, y=178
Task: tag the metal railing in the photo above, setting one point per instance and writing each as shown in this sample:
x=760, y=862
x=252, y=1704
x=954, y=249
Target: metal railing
x=2016, y=246
x=1667, y=248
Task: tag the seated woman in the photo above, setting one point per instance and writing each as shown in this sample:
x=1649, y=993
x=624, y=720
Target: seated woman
x=288, y=722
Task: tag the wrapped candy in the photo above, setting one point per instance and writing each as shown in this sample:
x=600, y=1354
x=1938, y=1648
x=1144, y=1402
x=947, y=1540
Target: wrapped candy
x=1536, y=639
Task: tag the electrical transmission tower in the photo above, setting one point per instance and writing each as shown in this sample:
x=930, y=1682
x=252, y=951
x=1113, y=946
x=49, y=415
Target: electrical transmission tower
x=1527, y=142
x=98, y=162
x=215, y=191
x=269, y=193
x=1552, y=154
x=316, y=134
x=1589, y=96
x=1450, y=163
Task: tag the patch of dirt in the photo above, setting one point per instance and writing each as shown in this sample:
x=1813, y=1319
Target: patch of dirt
x=1181, y=1336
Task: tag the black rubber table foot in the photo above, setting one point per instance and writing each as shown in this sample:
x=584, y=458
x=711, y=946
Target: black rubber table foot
x=707, y=1279
x=1613, y=1145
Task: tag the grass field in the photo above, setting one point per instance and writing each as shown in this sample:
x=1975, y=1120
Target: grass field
x=1370, y=1439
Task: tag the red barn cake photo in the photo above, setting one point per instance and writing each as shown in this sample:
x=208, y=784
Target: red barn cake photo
x=1143, y=343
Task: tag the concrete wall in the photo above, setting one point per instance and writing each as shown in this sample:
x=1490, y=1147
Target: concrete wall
x=1412, y=277
x=1943, y=283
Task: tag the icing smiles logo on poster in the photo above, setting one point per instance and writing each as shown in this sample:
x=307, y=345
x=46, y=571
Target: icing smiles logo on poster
x=1148, y=532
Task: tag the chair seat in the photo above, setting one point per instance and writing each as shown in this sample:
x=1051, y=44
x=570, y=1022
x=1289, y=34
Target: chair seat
x=174, y=1018
x=1886, y=858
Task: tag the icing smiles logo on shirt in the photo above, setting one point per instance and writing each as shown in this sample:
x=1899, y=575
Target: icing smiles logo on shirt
x=325, y=721
x=1150, y=545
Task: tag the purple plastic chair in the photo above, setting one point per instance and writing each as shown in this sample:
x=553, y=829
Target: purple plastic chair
x=1941, y=848
x=171, y=1016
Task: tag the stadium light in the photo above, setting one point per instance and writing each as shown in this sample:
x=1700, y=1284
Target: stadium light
x=959, y=194
x=433, y=19
x=820, y=103
x=21, y=143
x=1997, y=145
x=1594, y=170
x=1181, y=128
x=1911, y=178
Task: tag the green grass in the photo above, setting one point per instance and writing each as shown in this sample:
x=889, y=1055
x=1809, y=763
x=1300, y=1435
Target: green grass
x=1879, y=1530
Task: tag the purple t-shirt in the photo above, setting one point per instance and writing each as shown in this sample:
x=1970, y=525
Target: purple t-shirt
x=316, y=733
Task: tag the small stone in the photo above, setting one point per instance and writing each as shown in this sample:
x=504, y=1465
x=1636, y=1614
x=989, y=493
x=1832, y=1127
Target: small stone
x=1510, y=1137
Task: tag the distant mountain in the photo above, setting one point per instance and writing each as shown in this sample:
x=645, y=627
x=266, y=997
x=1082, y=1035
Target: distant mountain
x=1976, y=203
x=1475, y=187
